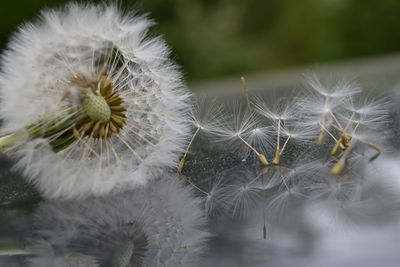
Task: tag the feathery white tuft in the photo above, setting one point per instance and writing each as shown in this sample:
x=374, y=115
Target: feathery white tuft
x=46, y=63
x=207, y=114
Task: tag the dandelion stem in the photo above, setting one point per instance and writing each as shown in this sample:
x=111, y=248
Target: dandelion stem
x=349, y=122
x=187, y=179
x=278, y=135
x=260, y=156
x=247, y=144
x=336, y=120
x=13, y=250
x=10, y=140
x=284, y=145
x=321, y=136
x=183, y=160
x=191, y=141
x=330, y=134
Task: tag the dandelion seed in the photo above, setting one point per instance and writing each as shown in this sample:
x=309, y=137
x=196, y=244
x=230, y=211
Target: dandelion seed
x=87, y=99
x=318, y=107
x=279, y=114
x=341, y=164
x=206, y=116
x=240, y=124
x=341, y=115
x=332, y=89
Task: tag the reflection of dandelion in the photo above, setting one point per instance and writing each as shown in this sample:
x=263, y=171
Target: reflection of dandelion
x=90, y=101
x=160, y=225
x=243, y=195
x=366, y=197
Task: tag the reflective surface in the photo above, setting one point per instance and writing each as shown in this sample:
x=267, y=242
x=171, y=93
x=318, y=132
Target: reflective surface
x=295, y=214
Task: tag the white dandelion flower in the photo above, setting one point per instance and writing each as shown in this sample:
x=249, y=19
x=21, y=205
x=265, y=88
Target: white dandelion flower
x=161, y=225
x=94, y=103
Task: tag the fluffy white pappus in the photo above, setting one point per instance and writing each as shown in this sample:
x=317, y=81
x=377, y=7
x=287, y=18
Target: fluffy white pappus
x=365, y=113
x=297, y=131
x=245, y=191
x=320, y=184
x=213, y=192
x=161, y=225
x=244, y=196
x=89, y=51
x=313, y=109
x=332, y=88
x=207, y=114
x=280, y=110
x=303, y=170
x=322, y=99
x=260, y=138
x=240, y=120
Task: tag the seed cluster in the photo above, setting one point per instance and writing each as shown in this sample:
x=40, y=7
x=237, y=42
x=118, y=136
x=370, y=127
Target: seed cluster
x=104, y=113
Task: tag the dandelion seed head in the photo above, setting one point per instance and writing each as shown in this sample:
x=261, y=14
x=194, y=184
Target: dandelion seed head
x=100, y=97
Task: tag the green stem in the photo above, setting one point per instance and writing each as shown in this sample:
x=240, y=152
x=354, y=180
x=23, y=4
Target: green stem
x=13, y=249
x=11, y=139
x=55, y=128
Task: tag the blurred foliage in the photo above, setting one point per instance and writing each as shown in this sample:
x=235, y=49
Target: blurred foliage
x=219, y=37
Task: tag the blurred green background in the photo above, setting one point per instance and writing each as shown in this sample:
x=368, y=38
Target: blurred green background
x=213, y=38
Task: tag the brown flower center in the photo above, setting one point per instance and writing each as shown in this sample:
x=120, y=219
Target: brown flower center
x=103, y=111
